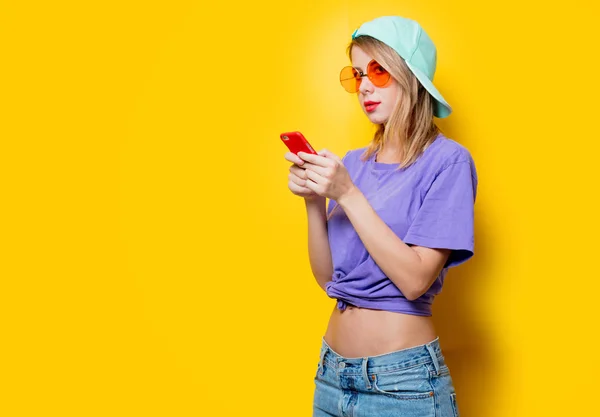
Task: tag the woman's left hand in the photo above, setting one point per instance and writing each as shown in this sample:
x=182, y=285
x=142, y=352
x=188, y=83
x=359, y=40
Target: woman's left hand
x=326, y=175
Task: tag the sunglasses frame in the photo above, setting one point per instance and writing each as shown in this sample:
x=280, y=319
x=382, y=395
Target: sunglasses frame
x=361, y=75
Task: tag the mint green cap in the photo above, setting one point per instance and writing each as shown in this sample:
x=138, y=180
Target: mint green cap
x=410, y=41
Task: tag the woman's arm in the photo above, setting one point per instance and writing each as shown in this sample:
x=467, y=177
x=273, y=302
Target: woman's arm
x=319, y=251
x=411, y=268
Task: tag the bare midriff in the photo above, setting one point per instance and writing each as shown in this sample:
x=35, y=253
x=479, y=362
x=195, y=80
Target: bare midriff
x=359, y=332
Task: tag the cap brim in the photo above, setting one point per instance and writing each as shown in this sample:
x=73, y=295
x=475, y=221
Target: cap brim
x=441, y=107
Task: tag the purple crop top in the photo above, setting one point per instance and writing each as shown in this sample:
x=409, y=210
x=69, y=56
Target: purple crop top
x=429, y=203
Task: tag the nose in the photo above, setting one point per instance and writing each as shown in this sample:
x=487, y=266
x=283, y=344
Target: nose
x=366, y=86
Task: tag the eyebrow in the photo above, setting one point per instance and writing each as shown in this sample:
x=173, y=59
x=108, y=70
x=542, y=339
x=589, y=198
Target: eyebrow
x=361, y=70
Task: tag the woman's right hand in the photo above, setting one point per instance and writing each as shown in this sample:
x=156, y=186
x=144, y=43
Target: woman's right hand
x=297, y=178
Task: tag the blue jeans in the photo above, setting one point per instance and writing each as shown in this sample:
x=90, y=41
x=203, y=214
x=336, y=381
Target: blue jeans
x=413, y=382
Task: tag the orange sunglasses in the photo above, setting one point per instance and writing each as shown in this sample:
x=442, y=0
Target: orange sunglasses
x=350, y=77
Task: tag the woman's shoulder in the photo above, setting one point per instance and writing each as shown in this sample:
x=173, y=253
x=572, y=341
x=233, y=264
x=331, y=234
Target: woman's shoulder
x=441, y=153
x=445, y=152
x=447, y=155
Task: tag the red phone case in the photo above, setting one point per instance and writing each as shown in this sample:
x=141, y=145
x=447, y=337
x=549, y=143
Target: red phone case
x=296, y=142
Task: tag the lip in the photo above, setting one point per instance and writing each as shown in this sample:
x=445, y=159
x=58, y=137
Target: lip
x=371, y=105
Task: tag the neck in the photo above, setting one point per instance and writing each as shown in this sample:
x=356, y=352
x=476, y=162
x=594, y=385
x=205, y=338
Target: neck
x=389, y=155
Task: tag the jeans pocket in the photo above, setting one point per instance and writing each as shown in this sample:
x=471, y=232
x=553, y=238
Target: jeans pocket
x=454, y=405
x=405, y=384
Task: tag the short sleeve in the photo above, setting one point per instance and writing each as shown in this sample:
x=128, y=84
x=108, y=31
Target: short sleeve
x=445, y=219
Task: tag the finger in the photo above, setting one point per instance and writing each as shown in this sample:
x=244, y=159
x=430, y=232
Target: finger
x=313, y=186
x=328, y=154
x=316, y=159
x=294, y=158
x=322, y=171
x=297, y=189
x=296, y=180
x=299, y=172
x=314, y=177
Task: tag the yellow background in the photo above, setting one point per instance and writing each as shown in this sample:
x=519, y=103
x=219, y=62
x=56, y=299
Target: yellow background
x=154, y=262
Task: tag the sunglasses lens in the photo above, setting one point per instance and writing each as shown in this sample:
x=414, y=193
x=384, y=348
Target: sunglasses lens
x=377, y=74
x=349, y=79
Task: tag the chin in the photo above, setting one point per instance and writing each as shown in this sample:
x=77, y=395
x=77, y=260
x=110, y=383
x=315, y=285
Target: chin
x=377, y=119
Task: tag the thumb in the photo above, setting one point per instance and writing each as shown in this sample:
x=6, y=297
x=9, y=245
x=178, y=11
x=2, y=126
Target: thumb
x=328, y=154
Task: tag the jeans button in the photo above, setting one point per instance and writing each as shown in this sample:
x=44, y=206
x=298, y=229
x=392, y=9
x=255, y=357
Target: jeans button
x=342, y=365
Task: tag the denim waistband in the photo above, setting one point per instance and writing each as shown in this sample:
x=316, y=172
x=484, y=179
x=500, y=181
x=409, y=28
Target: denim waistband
x=405, y=358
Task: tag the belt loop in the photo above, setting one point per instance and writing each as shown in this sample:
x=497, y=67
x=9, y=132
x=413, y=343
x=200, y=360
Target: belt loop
x=434, y=358
x=322, y=360
x=365, y=373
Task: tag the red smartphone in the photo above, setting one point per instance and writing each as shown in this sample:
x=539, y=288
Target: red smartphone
x=296, y=142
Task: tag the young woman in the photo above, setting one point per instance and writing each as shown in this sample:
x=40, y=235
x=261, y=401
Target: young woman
x=400, y=214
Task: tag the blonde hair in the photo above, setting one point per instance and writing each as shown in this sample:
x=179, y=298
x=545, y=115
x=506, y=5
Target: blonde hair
x=411, y=123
